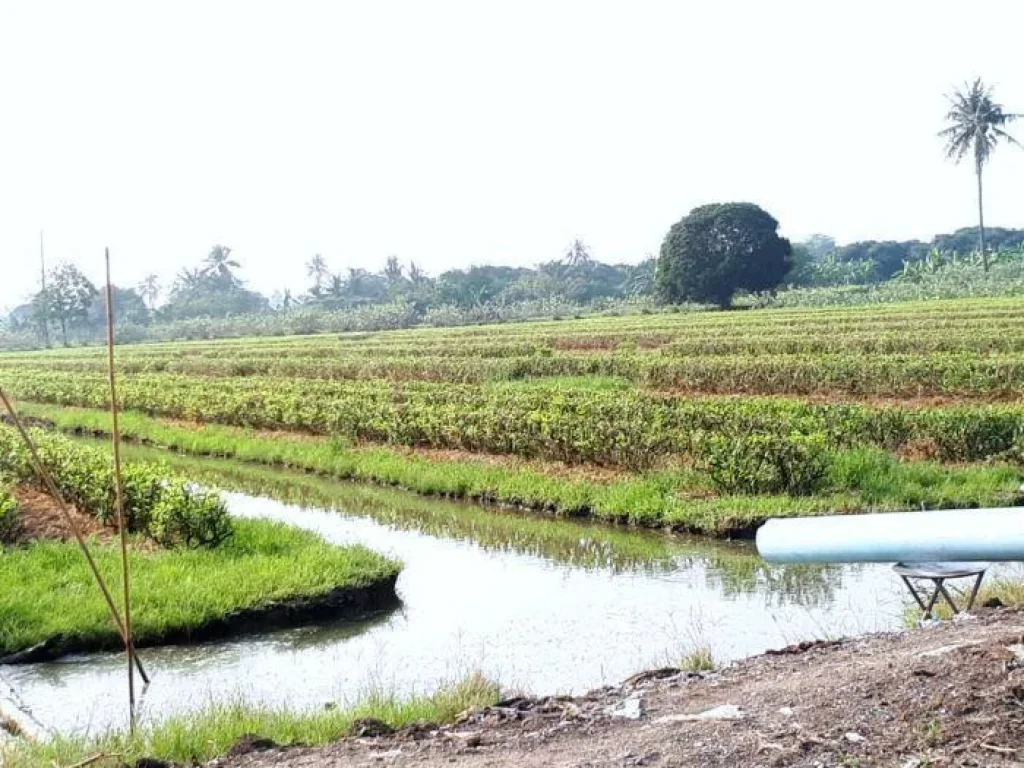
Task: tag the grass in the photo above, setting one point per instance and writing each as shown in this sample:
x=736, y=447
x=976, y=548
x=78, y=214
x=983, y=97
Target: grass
x=860, y=480
x=700, y=659
x=46, y=590
x=204, y=735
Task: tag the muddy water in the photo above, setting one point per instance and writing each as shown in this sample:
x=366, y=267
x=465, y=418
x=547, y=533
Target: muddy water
x=544, y=605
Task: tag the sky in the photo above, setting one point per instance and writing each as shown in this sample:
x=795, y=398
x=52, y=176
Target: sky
x=459, y=133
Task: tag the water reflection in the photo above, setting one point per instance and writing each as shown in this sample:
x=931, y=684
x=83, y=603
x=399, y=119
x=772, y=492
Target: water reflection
x=732, y=567
x=806, y=585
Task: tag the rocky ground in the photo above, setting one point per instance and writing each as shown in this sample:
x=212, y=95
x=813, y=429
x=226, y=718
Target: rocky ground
x=947, y=695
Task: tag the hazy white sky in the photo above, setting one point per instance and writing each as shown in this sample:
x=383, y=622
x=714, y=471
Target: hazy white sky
x=477, y=132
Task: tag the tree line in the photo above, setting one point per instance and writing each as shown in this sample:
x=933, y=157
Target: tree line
x=707, y=257
x=70, y=308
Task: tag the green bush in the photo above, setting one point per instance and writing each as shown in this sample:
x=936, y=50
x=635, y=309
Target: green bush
x=8, y=516
x=168, y=509
x=186, y=515
x=765, y=462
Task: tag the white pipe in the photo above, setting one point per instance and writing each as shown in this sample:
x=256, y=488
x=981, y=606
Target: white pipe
x=911, y=537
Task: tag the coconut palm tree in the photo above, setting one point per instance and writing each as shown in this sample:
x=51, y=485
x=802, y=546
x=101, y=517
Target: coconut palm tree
x=219, y=265
x=976, y=126
x=149, y=290
x=578, y=255
x=316, y=268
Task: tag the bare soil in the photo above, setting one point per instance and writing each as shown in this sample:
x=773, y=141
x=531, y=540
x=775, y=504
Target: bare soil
x=948, y=695
x=39, y=517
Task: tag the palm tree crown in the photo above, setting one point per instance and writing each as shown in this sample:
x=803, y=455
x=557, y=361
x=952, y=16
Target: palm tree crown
x=219, y=264
x=975, y=124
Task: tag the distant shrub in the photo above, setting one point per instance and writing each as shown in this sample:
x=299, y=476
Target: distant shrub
x=935, y=276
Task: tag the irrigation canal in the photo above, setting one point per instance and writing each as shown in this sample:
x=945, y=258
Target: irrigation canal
x=540, y=604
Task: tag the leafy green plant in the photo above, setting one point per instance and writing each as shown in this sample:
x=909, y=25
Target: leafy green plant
x=766, y=462
x=8, y=515
x=700, y=659
x=169, y=509
x=189, y=516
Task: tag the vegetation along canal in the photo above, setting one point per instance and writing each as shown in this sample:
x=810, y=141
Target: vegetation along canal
x=543, y=604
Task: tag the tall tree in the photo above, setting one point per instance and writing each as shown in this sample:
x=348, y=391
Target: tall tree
x=976, y=126
x=394, y=273
x=149, y=290
x=69, y=295
x=316, y=269
x=578, y=255
x=416, y=274
x=719, y=249
x=218, y=265
x=336, y=287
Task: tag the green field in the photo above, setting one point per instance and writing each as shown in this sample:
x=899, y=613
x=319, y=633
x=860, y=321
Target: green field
x=706, y=421
x=198, y=574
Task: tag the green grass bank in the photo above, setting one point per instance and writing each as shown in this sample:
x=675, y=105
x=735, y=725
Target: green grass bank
x=683, y=499
x=267, y=574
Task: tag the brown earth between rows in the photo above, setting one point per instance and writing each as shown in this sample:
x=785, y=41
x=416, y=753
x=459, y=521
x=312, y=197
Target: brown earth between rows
x=39, y=517
x=950, y=695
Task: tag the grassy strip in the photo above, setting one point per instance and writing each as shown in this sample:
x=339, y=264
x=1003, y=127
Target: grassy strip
x=860, y=480
x=46, y=592
x=202, y=736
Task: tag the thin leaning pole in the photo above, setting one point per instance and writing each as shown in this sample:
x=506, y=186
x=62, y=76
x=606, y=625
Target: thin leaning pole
x=62, y=506
x=122, y=526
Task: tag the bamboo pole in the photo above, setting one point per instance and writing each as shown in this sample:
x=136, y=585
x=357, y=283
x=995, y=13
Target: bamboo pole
x=42, y=296
x=62, y=506
x=119, y=496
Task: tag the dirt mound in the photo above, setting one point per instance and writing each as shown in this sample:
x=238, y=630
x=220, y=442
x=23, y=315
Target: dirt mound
x=249, y=743
x=949, y=695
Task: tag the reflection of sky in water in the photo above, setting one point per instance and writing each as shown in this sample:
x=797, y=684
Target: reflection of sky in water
x=532, y=621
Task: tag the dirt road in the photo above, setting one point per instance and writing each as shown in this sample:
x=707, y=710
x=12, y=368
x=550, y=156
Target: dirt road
x=950, y=695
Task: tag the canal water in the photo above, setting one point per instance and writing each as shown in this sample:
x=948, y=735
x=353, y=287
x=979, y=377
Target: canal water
x=542, y=605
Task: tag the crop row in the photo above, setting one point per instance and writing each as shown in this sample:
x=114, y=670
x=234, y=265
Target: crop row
x=899, y=317
x=851, y=375
x=923, y=341
x=981, y=329
x=615, y=427
x=169, y=510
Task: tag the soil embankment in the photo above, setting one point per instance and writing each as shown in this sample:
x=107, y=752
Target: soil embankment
x=949, y=695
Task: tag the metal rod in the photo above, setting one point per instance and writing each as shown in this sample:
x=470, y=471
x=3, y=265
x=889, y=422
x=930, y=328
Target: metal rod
x=51, y=487
x=122, y=525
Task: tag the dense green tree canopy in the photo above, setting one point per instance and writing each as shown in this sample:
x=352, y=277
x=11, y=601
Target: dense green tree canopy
x=720, y=249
